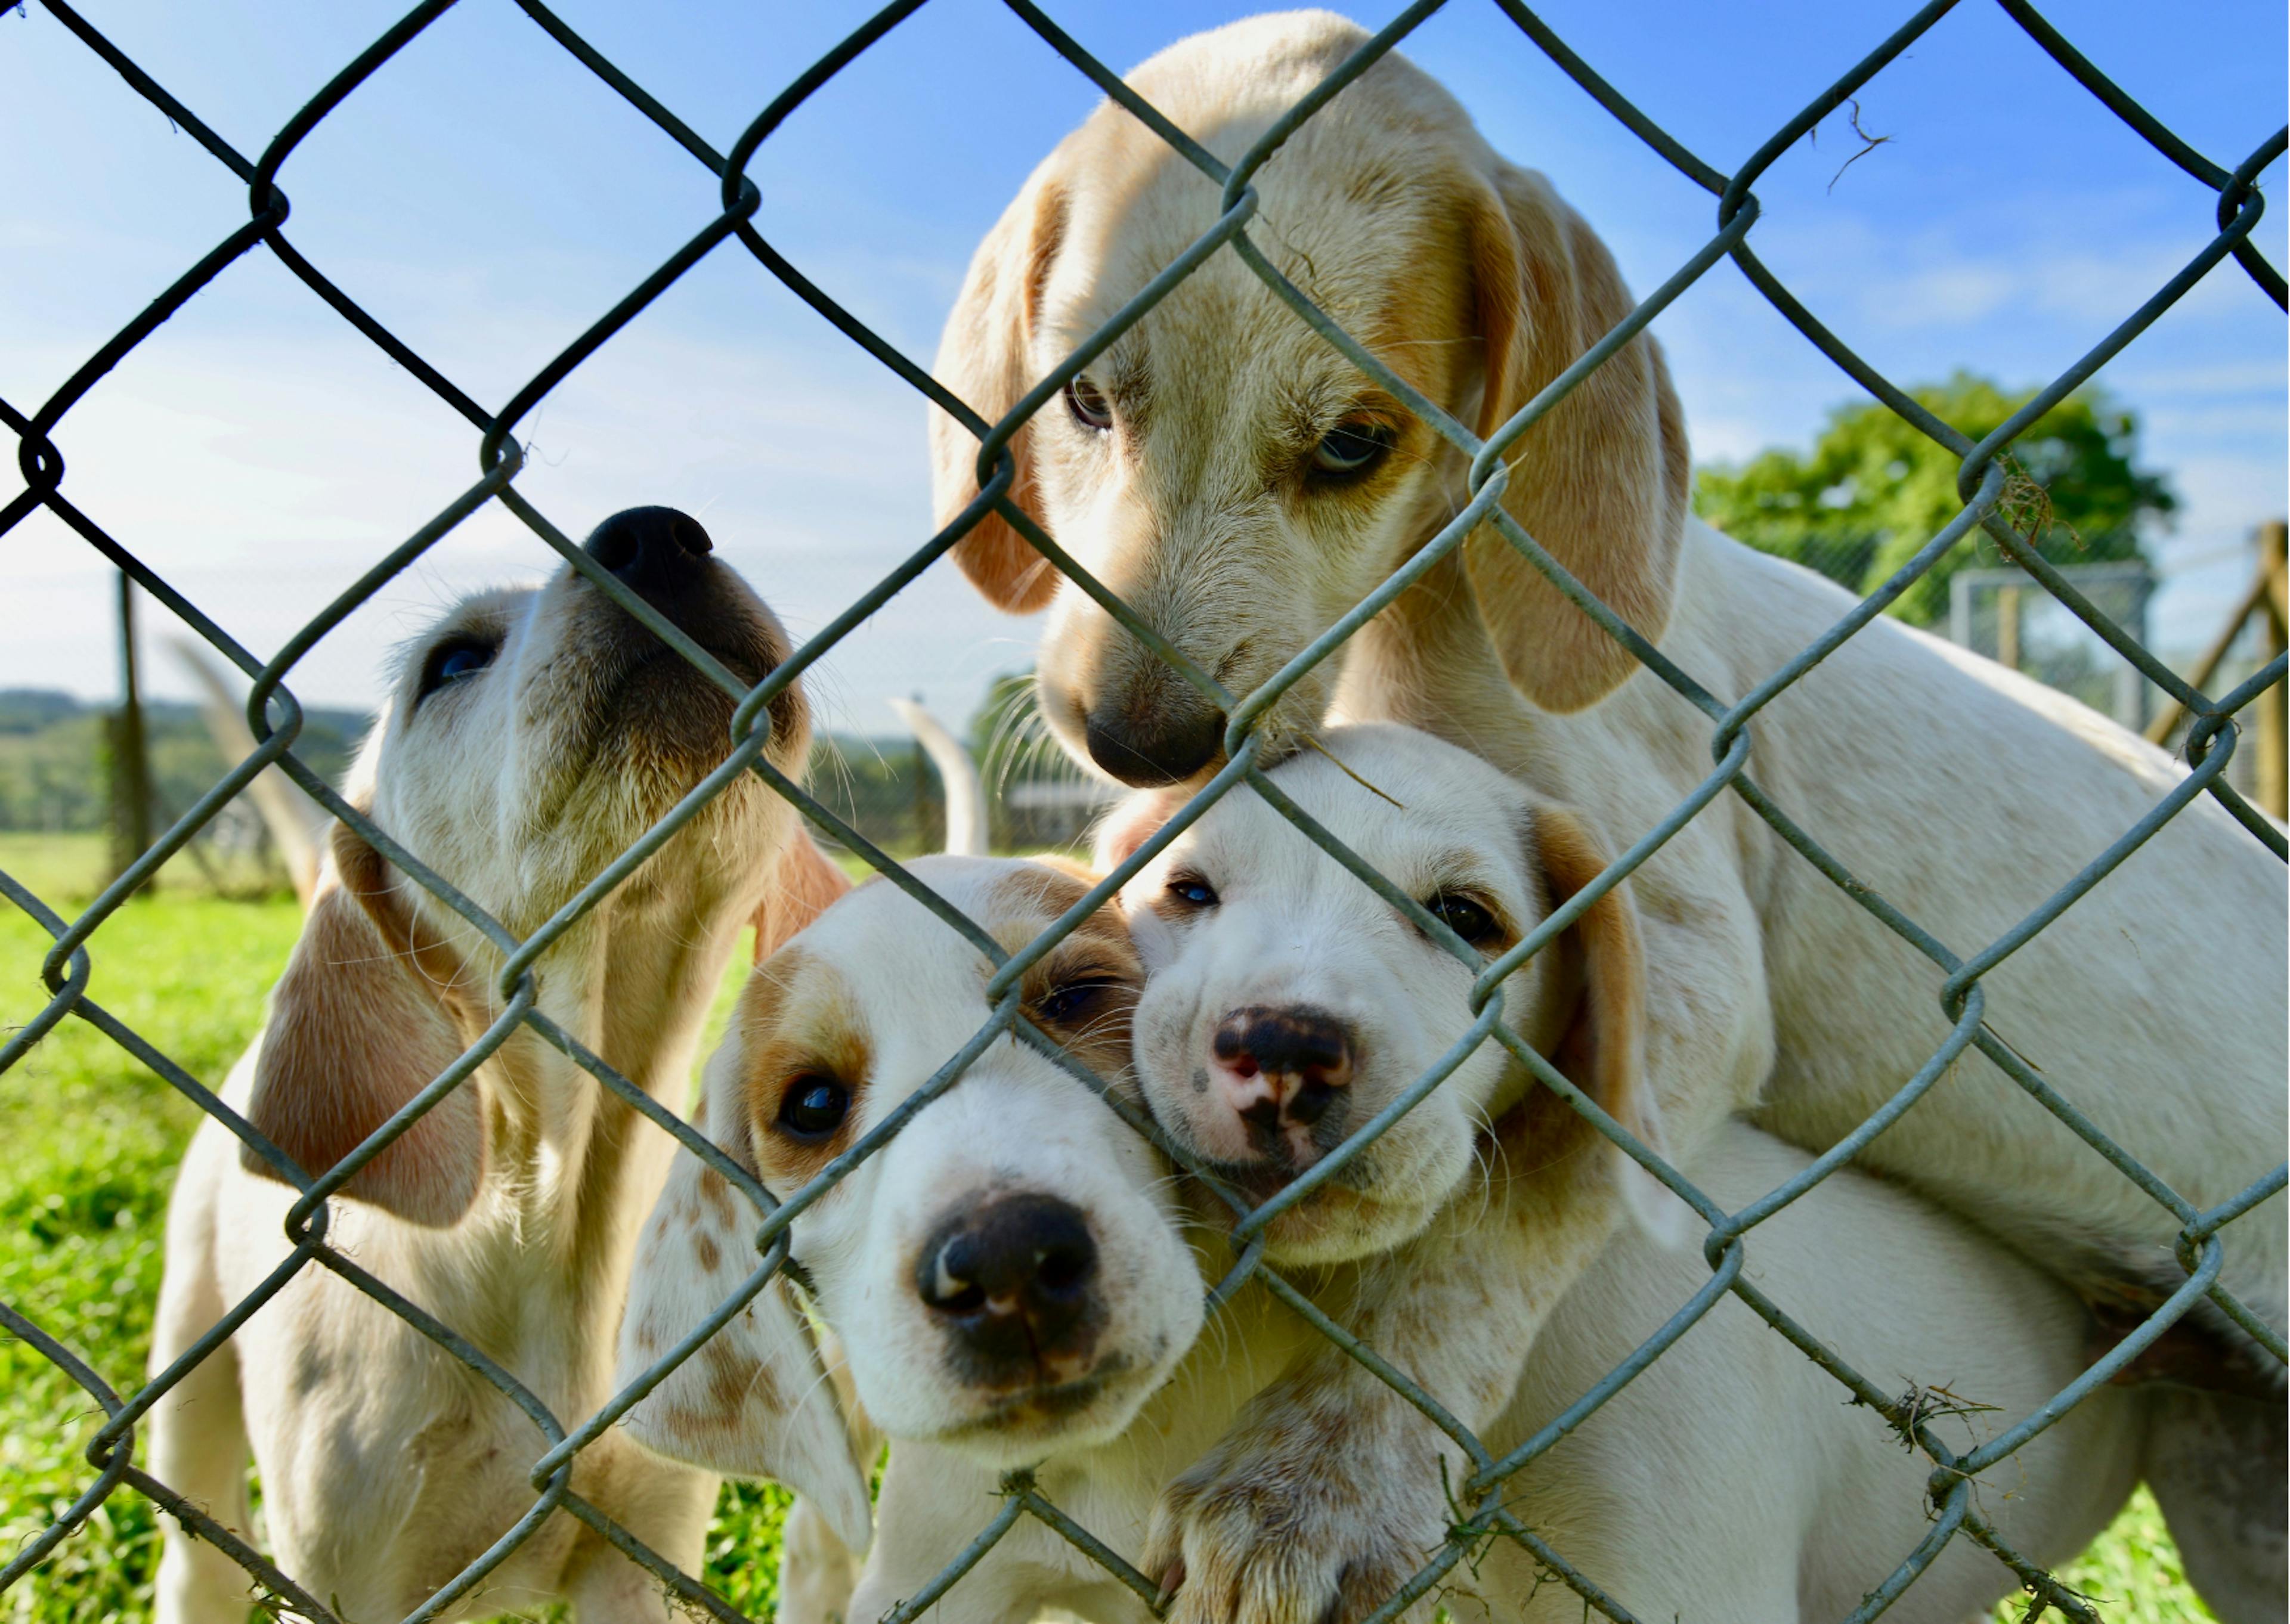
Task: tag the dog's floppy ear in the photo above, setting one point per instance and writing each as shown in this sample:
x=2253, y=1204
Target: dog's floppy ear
x=362, y=1021
x=1602, y=479
x=804, y=881
x=752, y=1401
x=1602, y=1048
x=983, y=358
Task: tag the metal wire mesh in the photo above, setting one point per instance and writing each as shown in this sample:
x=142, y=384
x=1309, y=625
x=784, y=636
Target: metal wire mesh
x=275, y=717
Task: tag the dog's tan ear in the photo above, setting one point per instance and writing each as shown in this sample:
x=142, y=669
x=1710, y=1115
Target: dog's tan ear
x=983, y=358
x=804, y=881
x=1603, y=479
x=752, y=1401
x=361, y=1022
x=1602, y=1049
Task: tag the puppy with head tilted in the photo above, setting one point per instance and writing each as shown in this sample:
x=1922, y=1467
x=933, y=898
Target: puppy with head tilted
x=1003, y=1274
x=1238, y=483
x=1727, y=1482
x=531, y=738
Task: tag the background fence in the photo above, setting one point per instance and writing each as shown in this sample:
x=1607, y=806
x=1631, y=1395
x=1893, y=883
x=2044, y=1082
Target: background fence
x=278, y=723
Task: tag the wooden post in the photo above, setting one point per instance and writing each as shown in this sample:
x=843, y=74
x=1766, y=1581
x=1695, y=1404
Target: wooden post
x=130, y=776
x=2273, y=706
x=2007, y=627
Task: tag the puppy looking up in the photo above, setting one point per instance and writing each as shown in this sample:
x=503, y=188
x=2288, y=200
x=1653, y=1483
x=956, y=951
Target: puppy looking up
x=530, y=738
x=1727, y=1482
x=1005, y=1273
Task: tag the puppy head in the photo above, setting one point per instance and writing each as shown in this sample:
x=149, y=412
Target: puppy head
x=1006, y=1275
x=1226, y=471
x=530, y=738
x=1288, y=1004
x=532, y=735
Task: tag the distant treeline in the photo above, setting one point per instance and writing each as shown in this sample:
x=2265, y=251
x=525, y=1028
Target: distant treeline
x=54, y=768
x=54, y=756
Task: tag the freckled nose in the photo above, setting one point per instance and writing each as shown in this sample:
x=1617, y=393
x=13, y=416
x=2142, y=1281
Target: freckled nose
x=1282, y=1071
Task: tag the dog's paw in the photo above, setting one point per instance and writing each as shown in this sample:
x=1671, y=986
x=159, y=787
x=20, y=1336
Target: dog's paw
x=1314, y=1509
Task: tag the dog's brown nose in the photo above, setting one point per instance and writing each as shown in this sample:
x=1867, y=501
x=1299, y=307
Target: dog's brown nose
x=1282, y=1071
x=1011, y=1282
x=653, y=549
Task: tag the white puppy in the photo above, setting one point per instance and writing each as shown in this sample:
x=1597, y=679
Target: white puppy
x=1004, y=1272
x=532, y=737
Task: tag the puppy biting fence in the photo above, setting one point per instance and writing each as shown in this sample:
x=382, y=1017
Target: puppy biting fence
x=275, y=717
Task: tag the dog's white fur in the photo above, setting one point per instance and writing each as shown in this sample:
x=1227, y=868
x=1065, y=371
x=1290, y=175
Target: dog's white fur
x=879, y=995
x=1959, y=793
x=1730, y=1482
x=510, y=1211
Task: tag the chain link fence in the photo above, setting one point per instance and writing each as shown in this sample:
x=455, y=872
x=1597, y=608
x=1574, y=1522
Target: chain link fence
x=277, y=720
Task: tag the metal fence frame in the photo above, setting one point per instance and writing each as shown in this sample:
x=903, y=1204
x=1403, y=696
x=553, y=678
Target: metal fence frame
x=2134, y=584
x=275, y=717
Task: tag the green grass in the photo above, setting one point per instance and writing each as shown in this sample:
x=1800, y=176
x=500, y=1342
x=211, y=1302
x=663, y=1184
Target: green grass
x=88, y=1144
x=89, y=1140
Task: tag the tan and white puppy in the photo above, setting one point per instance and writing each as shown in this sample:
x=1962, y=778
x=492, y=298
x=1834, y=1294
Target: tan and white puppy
x=531, y=737
x=1727, y=1482
x=1241, y=484
x=1005, y=1272
x=1312, y=1007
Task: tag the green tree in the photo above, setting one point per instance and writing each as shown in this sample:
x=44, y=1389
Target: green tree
x=1874, y=490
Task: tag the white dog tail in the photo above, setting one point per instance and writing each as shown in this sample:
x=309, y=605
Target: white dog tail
x=293, y=819
x=965, y=792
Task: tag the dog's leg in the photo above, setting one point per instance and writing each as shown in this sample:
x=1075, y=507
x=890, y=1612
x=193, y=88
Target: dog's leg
x=817, y=1570
x=2217, y=1463
x=197, y=1431
x=1330, y=1490
x=664, y=1505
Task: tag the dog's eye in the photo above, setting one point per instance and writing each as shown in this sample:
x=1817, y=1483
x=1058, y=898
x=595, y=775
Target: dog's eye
x=1352, y=448
x=814, y=1107
x=1468, y=919
x=452, y=660
x=1074, y=999
x=1089, y=406
x=1192, y=890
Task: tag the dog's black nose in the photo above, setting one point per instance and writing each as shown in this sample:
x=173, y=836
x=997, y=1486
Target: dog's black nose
x=1167, y=744
x=653, y=549
x=1011, y=1282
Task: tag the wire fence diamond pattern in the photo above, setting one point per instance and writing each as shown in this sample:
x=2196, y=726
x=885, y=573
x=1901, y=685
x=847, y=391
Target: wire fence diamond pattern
x=275, y=717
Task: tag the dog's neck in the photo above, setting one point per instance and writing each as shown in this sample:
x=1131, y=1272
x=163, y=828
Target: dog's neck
x=571, y=1166
x=1427, y=661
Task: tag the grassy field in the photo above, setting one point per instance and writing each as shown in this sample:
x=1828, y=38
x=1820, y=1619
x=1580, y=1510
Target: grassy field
x=88, y=1143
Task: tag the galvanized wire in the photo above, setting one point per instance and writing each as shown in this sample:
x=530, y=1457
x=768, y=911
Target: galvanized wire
x=275, y=717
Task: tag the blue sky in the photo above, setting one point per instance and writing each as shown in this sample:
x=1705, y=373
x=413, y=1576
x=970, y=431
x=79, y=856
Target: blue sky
x=488, y=198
